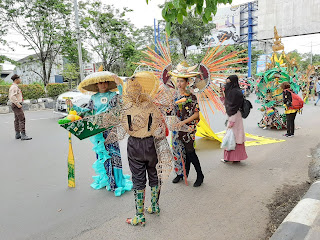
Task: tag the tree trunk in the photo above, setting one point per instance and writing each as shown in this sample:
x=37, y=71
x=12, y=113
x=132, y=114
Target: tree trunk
x=44, y=73
x=105, y=66
x=184, y=51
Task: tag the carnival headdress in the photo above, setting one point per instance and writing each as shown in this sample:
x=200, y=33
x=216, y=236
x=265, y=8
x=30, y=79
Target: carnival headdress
x=213, y=66
x=183, y=70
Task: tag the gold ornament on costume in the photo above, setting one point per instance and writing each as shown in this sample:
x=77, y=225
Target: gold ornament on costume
x=277, y=44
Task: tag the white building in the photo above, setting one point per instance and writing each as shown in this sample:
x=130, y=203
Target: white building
x=30, y=69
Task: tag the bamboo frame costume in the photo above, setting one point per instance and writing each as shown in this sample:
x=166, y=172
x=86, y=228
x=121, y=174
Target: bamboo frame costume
x=143, y=119
x=305, y=82
x=203, y=84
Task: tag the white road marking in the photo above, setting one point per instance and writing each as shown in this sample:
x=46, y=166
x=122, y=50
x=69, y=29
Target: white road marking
x=305, y=212
x=35, y=119
x=38, y=119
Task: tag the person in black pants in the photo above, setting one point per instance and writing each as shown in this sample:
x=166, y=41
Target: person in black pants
x=188, y=112
x=290, y=112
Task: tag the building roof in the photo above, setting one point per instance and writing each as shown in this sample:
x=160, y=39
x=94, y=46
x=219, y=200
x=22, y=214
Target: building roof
x=28, y=58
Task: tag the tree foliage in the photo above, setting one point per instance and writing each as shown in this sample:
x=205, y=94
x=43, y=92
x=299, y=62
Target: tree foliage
x=106, y=31
x=71, y=71
x=304, y=59
x=191, y=32
x=176, y=10
x=143, y=37
x=43, y=24
x=70, y=49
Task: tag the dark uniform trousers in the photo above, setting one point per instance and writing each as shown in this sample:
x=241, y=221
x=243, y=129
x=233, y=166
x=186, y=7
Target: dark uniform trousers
x=19, y=119
x=142, y=157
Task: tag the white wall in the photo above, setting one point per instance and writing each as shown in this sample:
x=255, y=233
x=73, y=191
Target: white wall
x=27, y=71
x=291, y=17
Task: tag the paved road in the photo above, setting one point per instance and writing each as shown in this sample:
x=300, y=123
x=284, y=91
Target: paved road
x=36, y=203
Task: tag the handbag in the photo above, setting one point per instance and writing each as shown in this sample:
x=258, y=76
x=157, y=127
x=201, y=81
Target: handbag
x=229, y=140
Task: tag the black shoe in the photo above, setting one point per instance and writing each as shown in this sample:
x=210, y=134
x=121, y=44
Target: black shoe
x=199, y=181
x=25, y=137
x=177, y=179
x=18, y=135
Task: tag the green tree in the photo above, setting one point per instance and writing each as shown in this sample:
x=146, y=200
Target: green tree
x=3, y=32
x=69, y=49
x=143, y=37
x=106, y=31
x=43, y=24
x=176, y=10
x=191, y=32
x=71, y=73
x=304, y=59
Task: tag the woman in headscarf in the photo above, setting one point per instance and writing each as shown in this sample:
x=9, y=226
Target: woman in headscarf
x=233, y=102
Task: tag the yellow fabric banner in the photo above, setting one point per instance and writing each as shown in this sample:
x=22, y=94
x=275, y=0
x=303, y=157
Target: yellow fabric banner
x=204, y=130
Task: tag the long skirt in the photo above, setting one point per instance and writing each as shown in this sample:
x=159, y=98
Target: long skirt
x=108, y=166
x=238, y=154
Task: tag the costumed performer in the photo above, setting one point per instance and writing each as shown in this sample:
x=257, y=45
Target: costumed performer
x=187, y=110
x=212, y=67
x=271, y=117
x=145, y=124
x=108, y=165
x=233, y=102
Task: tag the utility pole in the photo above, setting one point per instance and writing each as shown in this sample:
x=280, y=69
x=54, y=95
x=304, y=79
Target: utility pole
x=78, y=39
x=311, y=54
x=250, y=33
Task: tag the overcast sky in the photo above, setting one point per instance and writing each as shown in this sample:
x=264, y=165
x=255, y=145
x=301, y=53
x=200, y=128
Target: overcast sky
x=144, y=14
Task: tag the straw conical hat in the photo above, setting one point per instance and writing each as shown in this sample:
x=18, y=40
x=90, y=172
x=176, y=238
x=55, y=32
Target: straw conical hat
x=148, y=82
x=90, y=82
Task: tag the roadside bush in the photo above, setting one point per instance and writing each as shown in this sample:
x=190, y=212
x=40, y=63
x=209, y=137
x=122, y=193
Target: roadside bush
x=29, y=91
x=2, y=82
x=55, y=89
x=32, y=91
x=4, y=92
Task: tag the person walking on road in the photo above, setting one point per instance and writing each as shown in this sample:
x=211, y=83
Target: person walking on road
x=290, y=113
x=317, y=89
x=16, y=99
x=233, y=102
x=312, y=89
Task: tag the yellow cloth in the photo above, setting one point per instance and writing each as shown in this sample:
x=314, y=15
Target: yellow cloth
x=204, y=130
x=288, y=111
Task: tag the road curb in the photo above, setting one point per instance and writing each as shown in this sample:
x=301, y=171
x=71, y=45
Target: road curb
x=27, y=105
x=302, y=218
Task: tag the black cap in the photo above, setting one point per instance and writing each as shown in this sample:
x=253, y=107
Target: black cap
x=15, y=76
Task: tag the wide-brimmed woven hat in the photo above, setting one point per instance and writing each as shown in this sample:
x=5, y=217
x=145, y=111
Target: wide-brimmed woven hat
x=89, y=84
x=148, y=82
